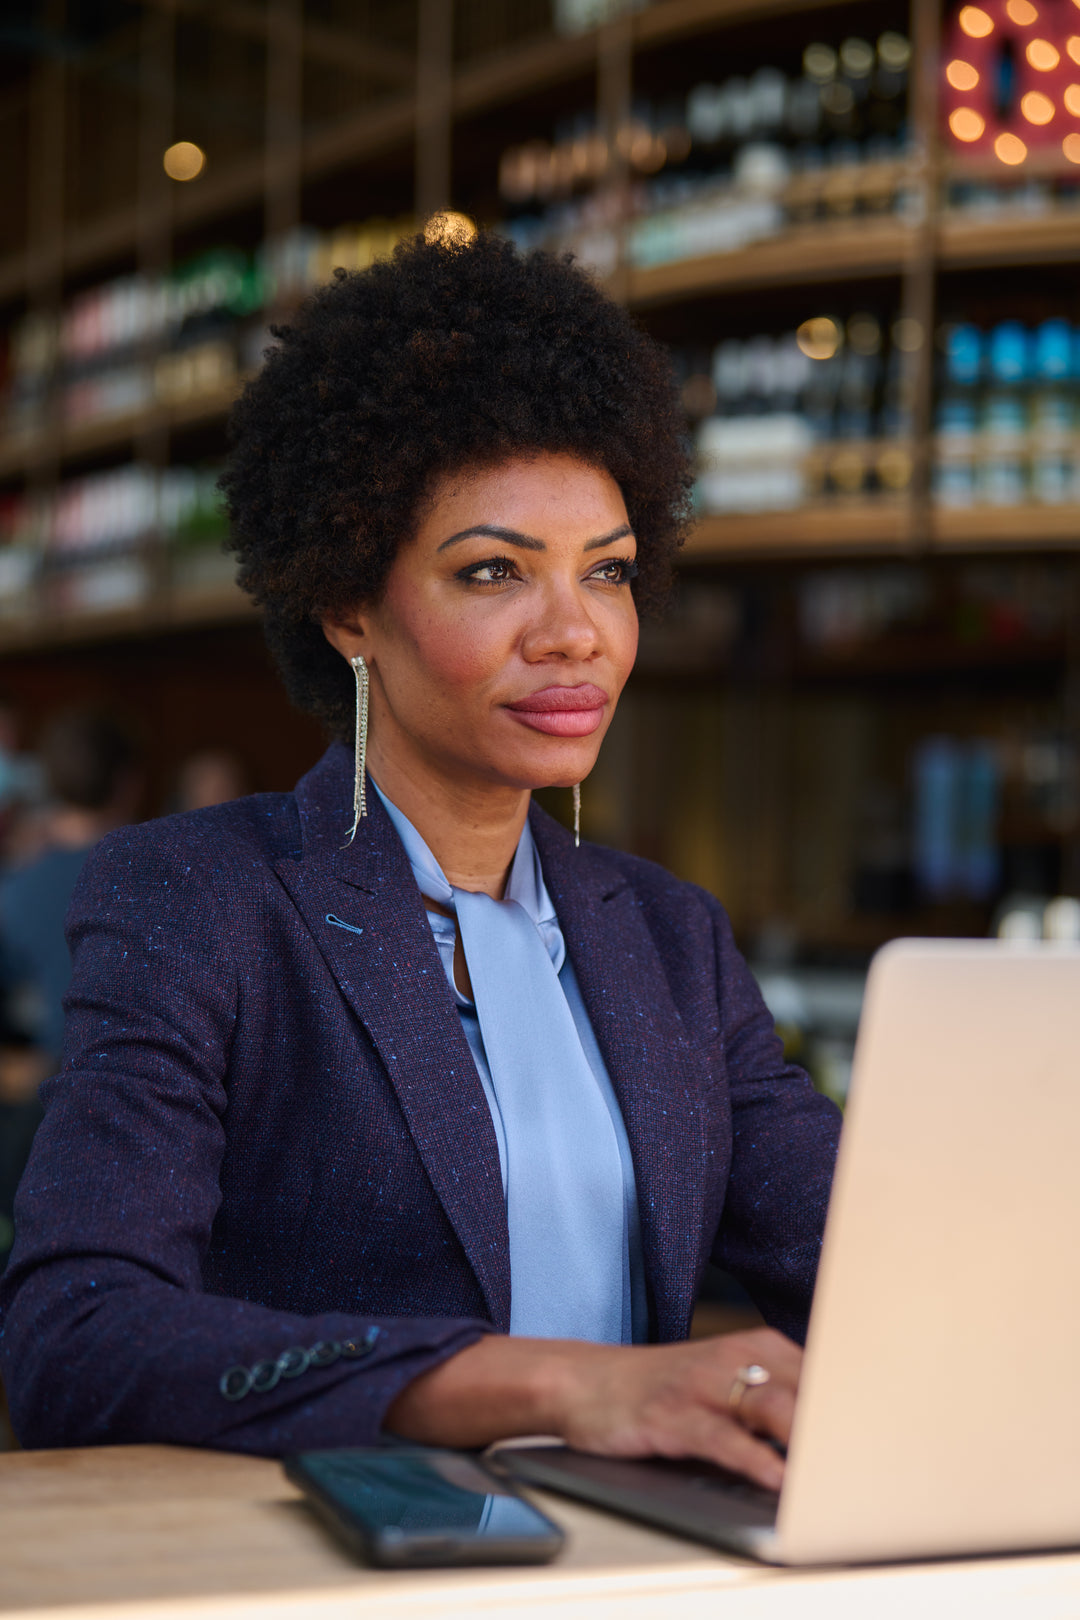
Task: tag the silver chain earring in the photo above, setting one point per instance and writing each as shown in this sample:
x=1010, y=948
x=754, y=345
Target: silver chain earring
x=363, y=684
x=577, y=815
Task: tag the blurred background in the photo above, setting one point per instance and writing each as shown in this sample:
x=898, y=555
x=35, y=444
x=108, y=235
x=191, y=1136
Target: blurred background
x=856, y=225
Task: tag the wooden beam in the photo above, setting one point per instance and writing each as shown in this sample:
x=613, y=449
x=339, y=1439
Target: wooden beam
x=284, y=114
x=918, y=292
x=434, y=119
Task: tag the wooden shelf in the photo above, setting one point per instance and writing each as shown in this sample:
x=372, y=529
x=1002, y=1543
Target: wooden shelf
x=968, y=241
x=849, y=251
x=863, y=247
x=179, y=610
x=982, y=528
x=861, y=528
x=876, y=528
x=29, y=452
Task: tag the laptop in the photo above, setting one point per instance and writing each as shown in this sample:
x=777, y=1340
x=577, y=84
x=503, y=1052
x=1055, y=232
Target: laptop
x=939, y=1406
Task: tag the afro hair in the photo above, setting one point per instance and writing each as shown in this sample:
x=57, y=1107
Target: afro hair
x=432, y=361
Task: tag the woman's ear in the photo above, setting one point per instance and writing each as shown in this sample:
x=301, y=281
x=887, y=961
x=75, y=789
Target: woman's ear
x=347, y=636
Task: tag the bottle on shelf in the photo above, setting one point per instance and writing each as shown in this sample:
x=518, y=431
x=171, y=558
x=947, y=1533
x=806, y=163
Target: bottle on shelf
x=1053, y=415
x=751, y=454
x=1003, y=420
x=91, y=543
x=803, y=417
x=957, y=416
x=957, y=790
x=734, y=163
x=119, y=349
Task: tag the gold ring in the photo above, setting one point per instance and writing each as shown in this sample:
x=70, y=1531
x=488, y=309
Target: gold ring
x=750, y=1377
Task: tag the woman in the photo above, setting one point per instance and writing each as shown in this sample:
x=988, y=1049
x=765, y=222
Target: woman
x=426, y=1125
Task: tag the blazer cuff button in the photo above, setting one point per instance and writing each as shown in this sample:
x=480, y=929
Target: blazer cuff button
x=291, y=1363
x=353, y=1349
x=235, y=1383
x=325, y=1353
x=264, y=1377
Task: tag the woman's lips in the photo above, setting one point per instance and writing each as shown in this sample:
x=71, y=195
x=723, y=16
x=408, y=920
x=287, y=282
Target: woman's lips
x=562, y=711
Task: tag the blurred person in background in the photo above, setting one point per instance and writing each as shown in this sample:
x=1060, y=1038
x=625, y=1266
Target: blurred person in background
x=211, y=776
x=20, y=790
x=92, y=781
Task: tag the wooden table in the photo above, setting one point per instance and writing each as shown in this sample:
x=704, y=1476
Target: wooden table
x=132, y=1531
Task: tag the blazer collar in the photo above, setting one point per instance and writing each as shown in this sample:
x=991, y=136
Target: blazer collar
x=388, y=968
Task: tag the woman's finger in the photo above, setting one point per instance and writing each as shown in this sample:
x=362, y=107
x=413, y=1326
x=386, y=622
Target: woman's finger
x=767, y=1409
x=721, y=1441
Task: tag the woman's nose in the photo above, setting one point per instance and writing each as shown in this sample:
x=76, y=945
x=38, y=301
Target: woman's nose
x=563, y=626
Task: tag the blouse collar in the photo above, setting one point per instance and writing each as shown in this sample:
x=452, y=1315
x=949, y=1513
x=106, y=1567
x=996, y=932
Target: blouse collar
x=525, y=884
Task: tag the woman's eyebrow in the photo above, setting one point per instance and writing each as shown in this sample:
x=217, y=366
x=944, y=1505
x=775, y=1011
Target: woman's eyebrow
x=527, y=542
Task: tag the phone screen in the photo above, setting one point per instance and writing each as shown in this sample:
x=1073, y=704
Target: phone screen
x=423, y=1506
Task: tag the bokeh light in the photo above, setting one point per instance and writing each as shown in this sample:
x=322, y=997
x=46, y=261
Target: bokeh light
x=183, y=160
x=1070, y=146
x=449, y=229
x=1021, y=12
x=1072, y=100
x=819, y=337
x=907, y=334
x=1010, y=149
x=966, y=124
x=1037, y=108
x=975, y=22
x=1072, y=45
x=1043, y=56
x=961, y=75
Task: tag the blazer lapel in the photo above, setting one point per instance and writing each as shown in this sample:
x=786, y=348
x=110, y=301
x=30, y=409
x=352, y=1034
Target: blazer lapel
x=657, y=1074
x=389, y=971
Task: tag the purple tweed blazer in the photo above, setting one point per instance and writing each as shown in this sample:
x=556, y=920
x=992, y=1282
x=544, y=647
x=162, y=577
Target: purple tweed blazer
x=268, y=1134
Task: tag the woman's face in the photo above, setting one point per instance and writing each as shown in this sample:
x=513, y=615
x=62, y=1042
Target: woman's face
x=507, y=628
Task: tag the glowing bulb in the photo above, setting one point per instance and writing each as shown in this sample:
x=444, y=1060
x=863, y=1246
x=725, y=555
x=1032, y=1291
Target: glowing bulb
x=1021, y=12
x=1042, y=55
x=961, y=75
x=966, y=124
x=1073, y=48
x=1072, y=100
x=975, y=23
x=819, y=338
x=183, y=160
x=1010, y=149
x=1037, y=108
x=449, y=229
x=1071, y=148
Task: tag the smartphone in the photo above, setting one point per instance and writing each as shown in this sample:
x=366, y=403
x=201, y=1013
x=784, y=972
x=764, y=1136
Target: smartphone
x=404, y=1507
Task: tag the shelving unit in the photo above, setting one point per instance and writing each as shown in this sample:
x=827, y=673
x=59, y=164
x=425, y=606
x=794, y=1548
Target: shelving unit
x=424, y=129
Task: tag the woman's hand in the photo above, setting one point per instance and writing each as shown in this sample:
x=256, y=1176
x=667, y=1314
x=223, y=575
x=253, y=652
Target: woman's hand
x=670, y=1400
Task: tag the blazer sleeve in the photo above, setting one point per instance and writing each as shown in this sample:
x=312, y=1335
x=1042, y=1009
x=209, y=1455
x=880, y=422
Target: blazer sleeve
x=106, y=1332
x=784, y=1141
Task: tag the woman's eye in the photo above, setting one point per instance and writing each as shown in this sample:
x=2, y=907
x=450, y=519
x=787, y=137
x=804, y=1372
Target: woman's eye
x=495, y=571
x=619, y=571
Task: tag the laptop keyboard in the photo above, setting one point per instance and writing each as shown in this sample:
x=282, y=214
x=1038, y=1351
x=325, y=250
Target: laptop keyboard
x=695, y=1499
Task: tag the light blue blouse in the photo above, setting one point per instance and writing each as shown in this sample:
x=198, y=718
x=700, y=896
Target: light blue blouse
x=526, y=885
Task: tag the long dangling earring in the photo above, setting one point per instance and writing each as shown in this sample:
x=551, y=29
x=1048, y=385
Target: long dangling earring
x=363, y=684
x=577, y=815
